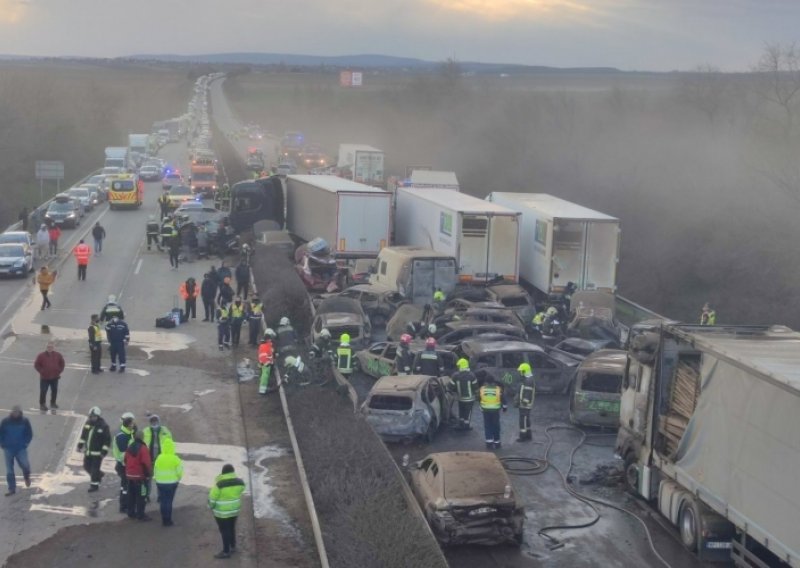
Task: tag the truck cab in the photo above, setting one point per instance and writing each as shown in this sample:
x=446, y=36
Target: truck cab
x=257, y=200
x=415, y=272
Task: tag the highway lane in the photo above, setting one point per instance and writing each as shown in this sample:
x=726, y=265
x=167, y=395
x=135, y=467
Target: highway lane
x=178, y=374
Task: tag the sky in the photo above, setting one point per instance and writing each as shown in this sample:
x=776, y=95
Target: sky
x=657, y=35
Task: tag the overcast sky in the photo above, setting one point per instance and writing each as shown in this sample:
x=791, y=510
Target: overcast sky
x=629, y=34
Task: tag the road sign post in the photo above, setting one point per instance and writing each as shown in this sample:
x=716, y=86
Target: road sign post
x=50, y=170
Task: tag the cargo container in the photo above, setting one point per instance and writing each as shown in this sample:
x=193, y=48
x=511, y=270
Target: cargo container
x=483, y=237
x=361, y=163
x=708, y=423
x=355, y=219
x=562, y=242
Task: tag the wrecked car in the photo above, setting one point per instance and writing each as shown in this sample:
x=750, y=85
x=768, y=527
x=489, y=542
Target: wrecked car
x=317, y=268
x=513, y=297
x=455, y=332
x=467, y=498
x=379, y=359
x=342, y=315
x=488, y=315
x=579, y=349
x=379, y=302
x=406, y=407
x=595, y=394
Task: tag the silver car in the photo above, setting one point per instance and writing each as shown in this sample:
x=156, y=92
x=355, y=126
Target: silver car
x=15, y=260
x=82, y=194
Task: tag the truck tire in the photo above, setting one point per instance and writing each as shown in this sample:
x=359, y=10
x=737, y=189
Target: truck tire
x=689, y=525
x=631, y=473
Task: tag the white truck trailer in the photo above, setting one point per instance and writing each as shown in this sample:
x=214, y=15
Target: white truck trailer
x=354, y=218
x=433, y=179
x=709, y=417
x=483, y=237
x=564, y=242
x=361, y=163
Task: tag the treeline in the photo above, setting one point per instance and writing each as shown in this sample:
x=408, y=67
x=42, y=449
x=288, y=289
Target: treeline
x=70, y=112
x=701, y=167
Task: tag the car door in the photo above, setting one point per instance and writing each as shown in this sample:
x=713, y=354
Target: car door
x=549, y=373
x=420, y=483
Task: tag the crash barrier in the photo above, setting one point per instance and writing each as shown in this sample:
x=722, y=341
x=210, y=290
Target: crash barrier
x=345, y=385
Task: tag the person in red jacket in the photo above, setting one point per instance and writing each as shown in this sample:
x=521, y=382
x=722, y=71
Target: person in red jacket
x=49, y=364
x=82, y=253
x=138, y=470
x=54, y=233
x=189, y=291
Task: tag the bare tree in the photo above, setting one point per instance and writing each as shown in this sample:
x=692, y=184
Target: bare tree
x=779, y=73
x=705, y=88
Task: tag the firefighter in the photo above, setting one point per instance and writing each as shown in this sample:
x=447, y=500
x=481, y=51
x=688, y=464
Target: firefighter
x=322, y=346
x=404, y=358
x=708, y=315
x=429, y=362
x=152, y=231
x=266, y=358
x=466, y=386
x=286, y=336
x=121, y=440
x=438, y=301
x=94, y=442
x=344, y=355
x=492, y=400
x=294, y=371
x=118, y=336
x=95, y=344
x=163, y=203
x=255, y=315
x=525, y=396
x=111, y=309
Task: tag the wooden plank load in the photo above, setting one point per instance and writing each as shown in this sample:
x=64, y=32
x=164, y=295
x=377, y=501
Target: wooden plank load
x=683, y=401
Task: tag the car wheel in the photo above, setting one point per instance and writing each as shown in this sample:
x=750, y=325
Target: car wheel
x=688, y=521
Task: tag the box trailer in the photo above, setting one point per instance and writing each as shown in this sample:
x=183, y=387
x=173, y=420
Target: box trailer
x=709, y=417
x=483, y=237
x=361, y=163
x=432, y=179
x=354, y=218
x=563, y=242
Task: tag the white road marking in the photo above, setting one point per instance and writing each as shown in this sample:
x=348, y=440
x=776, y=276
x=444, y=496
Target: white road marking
x=75, y=511
x=138, y=266
x=204, y=392
x=182, y=407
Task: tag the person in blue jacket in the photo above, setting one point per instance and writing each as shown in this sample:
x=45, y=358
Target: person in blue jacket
x=15, y=435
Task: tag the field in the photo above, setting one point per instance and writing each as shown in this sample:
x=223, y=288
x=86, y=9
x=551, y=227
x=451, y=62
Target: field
x=698, y=167
x=70, y=111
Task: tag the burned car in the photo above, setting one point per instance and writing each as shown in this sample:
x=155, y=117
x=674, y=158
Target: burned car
x=406, y=407
x=513, y=297
x=379, y=359
x=342, y=315
x=317, y=268
x=467, y=498
x=378, y=301
x=553, y=373
x=595, y=394
x=592, y=315
x=455, y=332
x=488, y=315
x=579, y=349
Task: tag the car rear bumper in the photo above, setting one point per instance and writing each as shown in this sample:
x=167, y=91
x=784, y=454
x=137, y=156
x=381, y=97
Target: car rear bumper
x=490, y=531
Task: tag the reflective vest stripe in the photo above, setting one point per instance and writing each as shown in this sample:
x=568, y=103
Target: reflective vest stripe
x=490, y=398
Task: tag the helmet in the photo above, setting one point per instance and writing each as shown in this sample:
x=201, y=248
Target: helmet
x=112, y=299
x=344, y=339
x=95, y=411
x=551, y=311
x=285, y=321
x=325, y=333
x=462, y=364
x=432, y=328
x=405, y=339
x=290, y=361
x=127, y=416
x=430, y=342
x=269, y=332
x=524, y=369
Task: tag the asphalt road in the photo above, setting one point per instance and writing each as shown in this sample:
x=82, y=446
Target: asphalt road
x=178, y=374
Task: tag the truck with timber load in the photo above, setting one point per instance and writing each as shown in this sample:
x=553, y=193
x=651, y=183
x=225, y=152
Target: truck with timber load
x=708, y=430
x=483, y=237
x=562, y=243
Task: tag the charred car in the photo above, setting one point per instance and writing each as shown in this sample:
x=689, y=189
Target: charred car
x=317, y=268
x=467, y=498
x=379, y=302
x=406, y=407
x=455, y=332
x=342, y=315
x=552, y=372
x=379, y=359
x=513, y=297
x=595, y=394
x=488, y=315
x=579, y=349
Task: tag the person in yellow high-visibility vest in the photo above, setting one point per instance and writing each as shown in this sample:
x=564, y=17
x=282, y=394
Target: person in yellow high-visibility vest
x=344, y=355
x=492, y=401
x=167, y=473
x=525, y=396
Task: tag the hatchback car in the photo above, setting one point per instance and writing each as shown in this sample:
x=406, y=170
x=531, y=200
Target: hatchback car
x=178, y=195
x=467, y=498
x=82, y=194
x=17, y=237
x=378, y=301
x=553, y=373
x=150, y=173
x=342, y=315
x=15, y=259
x=455, y=332
x=406, y=407
x=595, y=394
x=64, y=211
x=514, y=297
x=379, y=359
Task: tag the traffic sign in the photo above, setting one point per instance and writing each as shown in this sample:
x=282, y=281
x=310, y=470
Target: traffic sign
x=49, y=170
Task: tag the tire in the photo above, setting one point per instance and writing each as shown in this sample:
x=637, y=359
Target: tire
x=689, y=525
x=631, y=473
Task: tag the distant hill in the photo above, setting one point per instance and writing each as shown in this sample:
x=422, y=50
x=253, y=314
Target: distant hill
x=358, y=61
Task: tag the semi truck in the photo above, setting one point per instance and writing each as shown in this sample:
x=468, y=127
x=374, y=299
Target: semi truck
x=355, y=219
x=563, y=242
x=414, y=272
x=708, y=425
x=117, y=157
x=361, y=163
x=483, y=237
x=257, y=200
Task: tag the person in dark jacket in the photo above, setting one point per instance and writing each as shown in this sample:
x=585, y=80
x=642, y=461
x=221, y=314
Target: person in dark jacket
x=95, y=344
x=16, y=434
x=50, y=364
x=429, y=362
x=152, y=230
x=118, y=336
x=225, y=295
x=208, y=291
x=174, y=246
x=99, y=234
x=23, y=217
x=95, y=441
x=138, y=471
x=224, y=272
x=404, y=358
x=242, y=279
